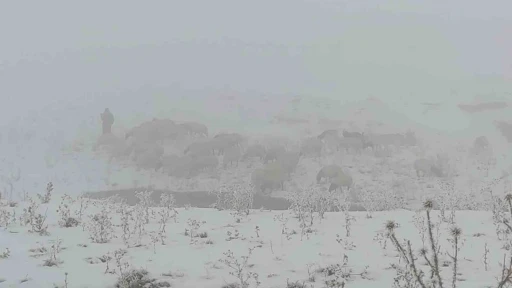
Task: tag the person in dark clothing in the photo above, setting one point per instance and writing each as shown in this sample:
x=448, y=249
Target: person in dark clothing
x=108, y=120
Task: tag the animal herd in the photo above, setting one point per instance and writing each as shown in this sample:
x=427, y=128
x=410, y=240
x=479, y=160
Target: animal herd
x=186, y=150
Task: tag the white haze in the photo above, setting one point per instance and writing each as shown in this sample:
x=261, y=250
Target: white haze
x=62, y=63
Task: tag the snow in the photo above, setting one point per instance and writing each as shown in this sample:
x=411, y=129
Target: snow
x=50, y=152
x=275, y=253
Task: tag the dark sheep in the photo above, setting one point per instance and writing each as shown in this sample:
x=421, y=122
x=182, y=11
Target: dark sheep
x=256, y=150
x=329, y=171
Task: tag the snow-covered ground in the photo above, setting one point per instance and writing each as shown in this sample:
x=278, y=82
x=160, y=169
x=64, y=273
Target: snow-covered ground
x=283, y=251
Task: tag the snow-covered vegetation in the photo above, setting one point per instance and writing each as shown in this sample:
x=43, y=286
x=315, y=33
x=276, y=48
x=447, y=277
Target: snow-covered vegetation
x=403, y=206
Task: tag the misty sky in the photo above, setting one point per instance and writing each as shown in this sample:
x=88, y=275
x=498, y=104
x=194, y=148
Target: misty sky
x=102, y=52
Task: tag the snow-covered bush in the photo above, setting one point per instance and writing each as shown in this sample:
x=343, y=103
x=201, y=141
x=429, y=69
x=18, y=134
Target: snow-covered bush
x=167, y=212
x=100, y=227
x=138, y=278
x=36, y=220
x=237, y=197
x=47, y=196
x=64, y=210
x=239, y=268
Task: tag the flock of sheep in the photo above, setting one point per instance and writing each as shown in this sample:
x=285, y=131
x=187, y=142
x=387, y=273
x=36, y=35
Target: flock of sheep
x=274, y=162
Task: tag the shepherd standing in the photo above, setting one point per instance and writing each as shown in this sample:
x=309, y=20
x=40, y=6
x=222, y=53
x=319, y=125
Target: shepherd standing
x=108, y=120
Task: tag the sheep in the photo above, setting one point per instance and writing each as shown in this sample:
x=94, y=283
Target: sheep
x=273, y=153
x=256, y=150
x=481, y=143
x=168, y=163
x=203, y=163
x=220, y=144
x=234, y=138
x=271, y=177
x=328, y=134
x=183, y=167
x=351, y=143
x=195, y=129
x=348, y=134
x=150, y=157
x=289, y=161
x=312, y=146
x=232, y=155
x=139, y=148
x=387, y=140
x=156, y=130
x=340, y=181
x=427, y=167
x=329, y=171
x=199, y=149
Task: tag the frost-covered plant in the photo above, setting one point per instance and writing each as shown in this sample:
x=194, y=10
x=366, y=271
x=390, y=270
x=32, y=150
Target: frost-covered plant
x=135, y=278
x=411, y=275
x=237, y=197
x=447, y=200
x=52, y=253
x=167, y=212
x=5, y=254
x=83, y=205
x=502, y=216
x=10, y=180
x=36, y=220
x=239, y=267
x=144, y=204
x=193, y=226
x=47, y=196
x=7, y=217
x=369, y=200
x=64, y=210
x=100, y=227
x=337, y=275
x=121, y=264
x=343, y=204
x=380, y=199
x=126, y=216
x=140, y=216
x=303, y=204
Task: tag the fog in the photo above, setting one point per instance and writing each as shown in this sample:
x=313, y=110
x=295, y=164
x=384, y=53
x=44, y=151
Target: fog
x=62, y=63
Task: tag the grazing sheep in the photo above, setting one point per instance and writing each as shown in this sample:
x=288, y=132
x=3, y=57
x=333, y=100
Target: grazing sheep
x=156, y=130
x=195, y=129
x=231, y=155
x=351, y=143
x=384, y=141
x=312, y=147
x=271, y=177
x=273, y=153
x=340, y=181
x=348, y=134
x=329, y=171
x=328, y=133
x=220, y=144
x=169, y=162
x=410, y=139
x=139, y=148
x=182, y=167
x=235, y=138
x=256, y=150
x=481, y=143
x=188, y=166
x=204, y=163
x=149, y=157
x=427, y=167
x=199, y=149
x=289, y=161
